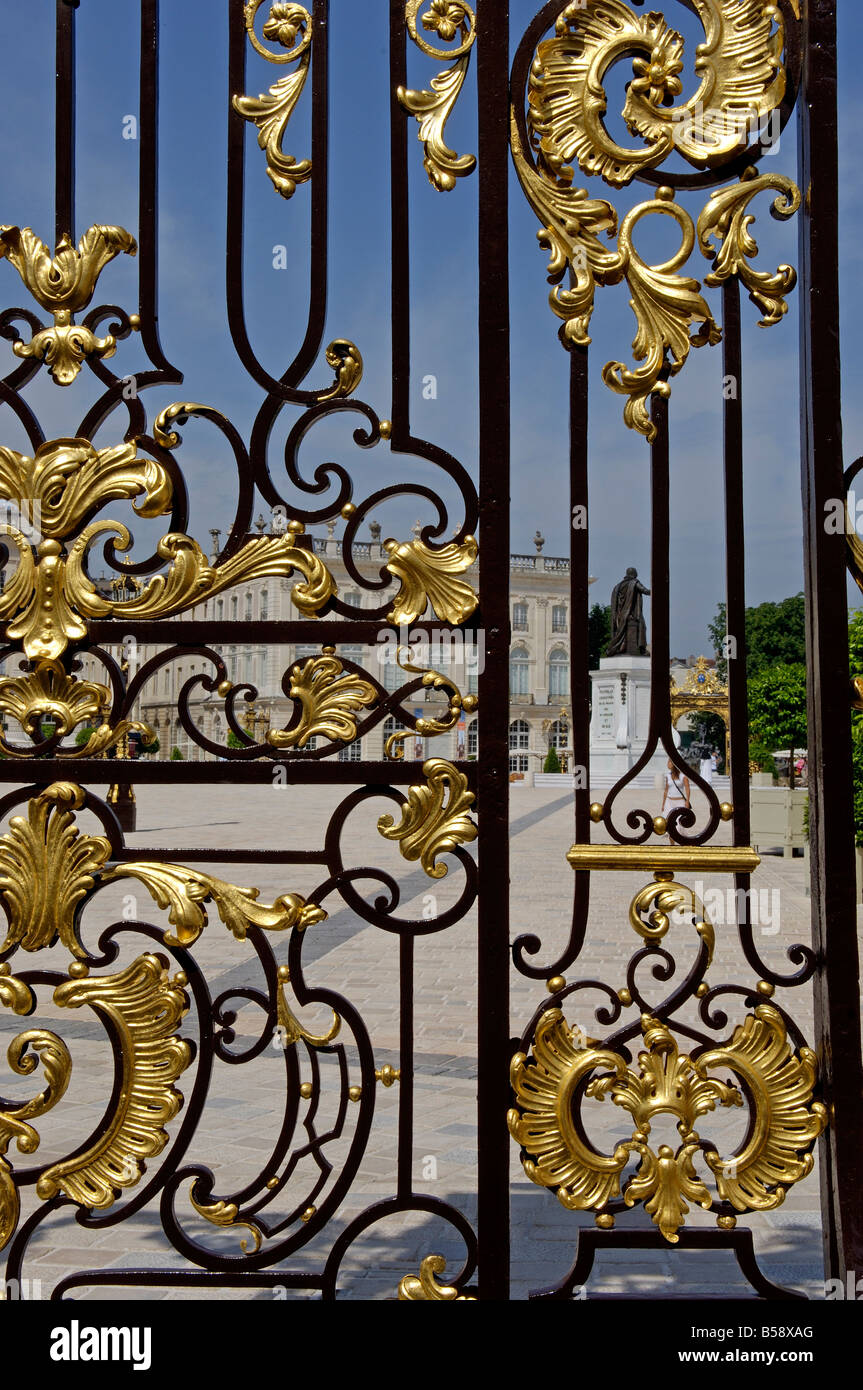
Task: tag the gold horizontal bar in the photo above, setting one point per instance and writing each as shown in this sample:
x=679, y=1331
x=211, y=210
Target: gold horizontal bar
x=724, y=859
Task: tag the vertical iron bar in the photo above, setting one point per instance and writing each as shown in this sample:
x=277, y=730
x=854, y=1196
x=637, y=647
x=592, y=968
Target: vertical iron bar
x=64, y=122
x=831, y=820
x=406, y=1066
x=400, y=230
x=660, y=573
x=492, y=50
x=579, y=585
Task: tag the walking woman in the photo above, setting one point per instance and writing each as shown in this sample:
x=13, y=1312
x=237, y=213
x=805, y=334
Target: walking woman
x=676, y=790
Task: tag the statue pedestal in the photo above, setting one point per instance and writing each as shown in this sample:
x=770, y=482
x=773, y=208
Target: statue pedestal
x=620, y=717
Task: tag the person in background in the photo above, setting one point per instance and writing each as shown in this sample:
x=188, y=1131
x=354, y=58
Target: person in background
x=676, y=792
x=714, y=761
x=705, y=767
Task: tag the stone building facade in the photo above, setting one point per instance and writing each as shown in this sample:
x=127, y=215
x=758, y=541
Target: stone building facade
x=539, y=664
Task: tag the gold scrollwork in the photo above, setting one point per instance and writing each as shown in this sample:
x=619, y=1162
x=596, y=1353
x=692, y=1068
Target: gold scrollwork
x=552, y=1083
x=142, y=1009
x=427, y=1289
x=739, y=64
x=290, y=1030
x=48, y=692
x=433, y=823
x=429, y=576
x=433, y=108
x=227, y=1215
x=183, y=891
x=650, y=912
x=329, y=700
x=48, y=598
x=725, y=220
x=63, y=284
x=742, y=81
x=52, y=1052
x=430, y=726
x=291, y=26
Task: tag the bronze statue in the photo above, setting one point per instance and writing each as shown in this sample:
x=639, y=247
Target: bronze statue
x=628, y=630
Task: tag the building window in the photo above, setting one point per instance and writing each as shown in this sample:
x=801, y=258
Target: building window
x=265, y=605
x=353, y=753
x=558, y=735
x=519, y=762
x=220, y=610
x=234, y=603
x=473, y=738
x=558, y=618
x=472, y=683
x=558, y=675
x=519, y=617
x=518, y=672
x=519, y=735
x=393, y=676
x=352, y=653
x=248, y=608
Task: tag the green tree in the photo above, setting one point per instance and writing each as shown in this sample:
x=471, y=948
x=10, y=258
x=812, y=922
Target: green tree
x=176, y=755
x=149, y=749
x=234, y=742
x=775, y=635
x=598, y=633
x=552, y=761
x=777, y=707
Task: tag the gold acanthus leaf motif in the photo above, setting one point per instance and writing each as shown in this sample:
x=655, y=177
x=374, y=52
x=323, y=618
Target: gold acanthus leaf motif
x=271, y=111
x=786, y=1120
x=52, y=1052
x=427, y=1289
x=433, y=823
x=183, y=891
x=429, y=576
x=67, y=480
x=49, y=597
x=432, y=109
x=329, y=701
x=552, y=1083
x=49, y=691
x=63, y=284
x=226, y=1214
x=142, y=1010
x=739, y=64
x=47, y=867
x=725, y=220
x=666, y=305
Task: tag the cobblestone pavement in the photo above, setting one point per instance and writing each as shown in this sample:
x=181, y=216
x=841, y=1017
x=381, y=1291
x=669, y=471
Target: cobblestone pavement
x=242, y=1116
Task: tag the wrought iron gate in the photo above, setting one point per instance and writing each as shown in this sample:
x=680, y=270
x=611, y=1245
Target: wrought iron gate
x=72, y=661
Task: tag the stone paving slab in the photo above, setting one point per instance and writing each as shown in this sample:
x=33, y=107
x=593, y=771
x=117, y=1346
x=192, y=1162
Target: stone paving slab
x=240, y=1123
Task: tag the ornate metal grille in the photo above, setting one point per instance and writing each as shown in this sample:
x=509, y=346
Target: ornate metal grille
x=69, y=665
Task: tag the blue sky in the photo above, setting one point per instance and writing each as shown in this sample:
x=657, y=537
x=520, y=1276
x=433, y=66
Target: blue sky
x=444, y=340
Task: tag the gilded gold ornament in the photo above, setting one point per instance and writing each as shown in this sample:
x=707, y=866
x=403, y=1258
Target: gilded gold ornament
x=52, y=1052
x=183, y=891
x=552, y=1083
x=432, y=725
x=739, y=64
x=142, y=1010
x=428, y=576
x=291, y=1031
x=63, y=284
x=346, y=361
x=329, y=699
x=435, y=817
x=47, y=868
x=786, y=1121
x=725, y=220
x=650, y=913
x=433, y=108
x=291, y=26
x=49, y=692
x=427, y=1289
x=226, y=1214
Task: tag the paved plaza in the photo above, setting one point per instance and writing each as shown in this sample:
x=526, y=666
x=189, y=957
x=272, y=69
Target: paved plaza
x=360, y=962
